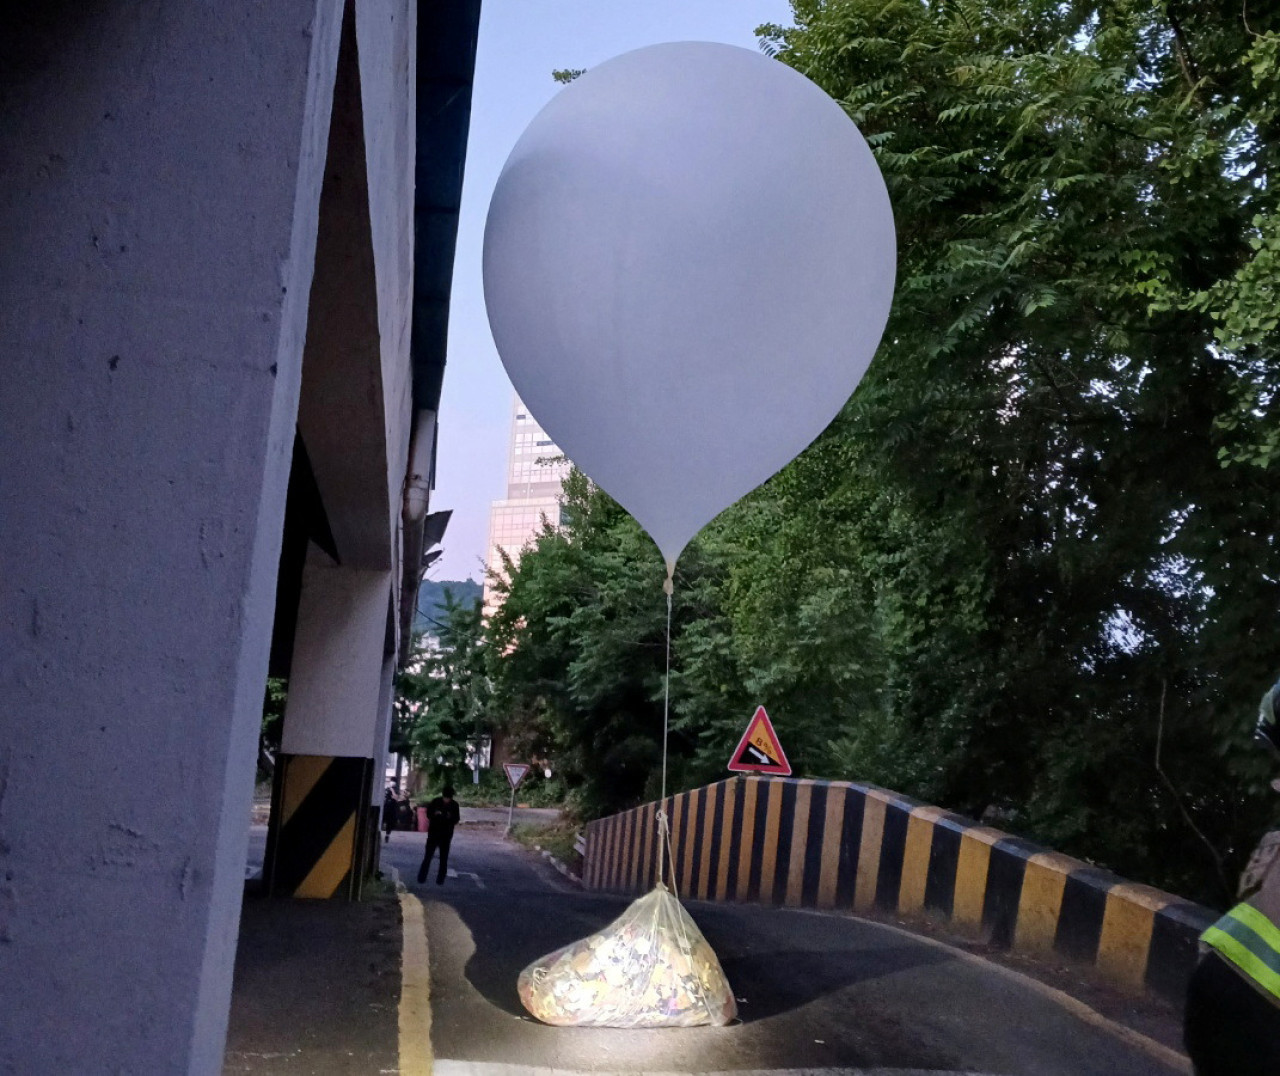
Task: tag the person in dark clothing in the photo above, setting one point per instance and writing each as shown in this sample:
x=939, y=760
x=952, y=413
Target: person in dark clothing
x=442, y=816
x=390, y=809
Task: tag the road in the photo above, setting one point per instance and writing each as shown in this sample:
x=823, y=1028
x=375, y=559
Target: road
x=816, y=991
x=523, y=816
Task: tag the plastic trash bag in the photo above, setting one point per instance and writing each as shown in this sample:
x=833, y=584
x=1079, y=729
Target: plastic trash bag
x=650, y=967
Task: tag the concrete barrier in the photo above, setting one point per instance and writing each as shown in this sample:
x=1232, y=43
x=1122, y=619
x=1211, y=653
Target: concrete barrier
x=853, y=847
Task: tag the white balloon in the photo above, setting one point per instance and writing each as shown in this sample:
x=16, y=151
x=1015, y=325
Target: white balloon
x=688, y=264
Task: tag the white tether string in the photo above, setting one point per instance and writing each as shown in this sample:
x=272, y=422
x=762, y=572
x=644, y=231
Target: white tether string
x=664, y=826
x=664, y=831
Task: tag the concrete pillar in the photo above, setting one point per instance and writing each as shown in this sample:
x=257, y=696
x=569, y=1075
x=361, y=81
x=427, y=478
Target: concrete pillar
x=382, y=738
x=160, y=175
x=319, y=817
x=354, y=419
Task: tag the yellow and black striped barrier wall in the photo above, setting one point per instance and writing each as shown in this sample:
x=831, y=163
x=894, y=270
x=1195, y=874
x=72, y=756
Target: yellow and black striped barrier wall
x=316, y=844
x=854, y=847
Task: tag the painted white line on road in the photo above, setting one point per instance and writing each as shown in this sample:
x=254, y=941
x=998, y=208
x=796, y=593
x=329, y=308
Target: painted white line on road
x=1177, y=1061
x=468, y=874
x=415, y=989
x=445, y=1067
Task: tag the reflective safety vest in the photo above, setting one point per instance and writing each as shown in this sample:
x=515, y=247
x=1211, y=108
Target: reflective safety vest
x=1249, y=940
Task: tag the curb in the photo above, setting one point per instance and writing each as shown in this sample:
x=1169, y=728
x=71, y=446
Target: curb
x=853, y=847
x=560, y=866
x=414, y=1019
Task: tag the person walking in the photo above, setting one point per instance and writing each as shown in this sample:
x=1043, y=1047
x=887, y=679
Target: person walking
x=442, y=815
x=390, y=808
x=1233, y=999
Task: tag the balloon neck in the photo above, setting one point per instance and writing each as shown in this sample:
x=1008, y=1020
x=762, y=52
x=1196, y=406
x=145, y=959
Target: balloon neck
x=668, y=584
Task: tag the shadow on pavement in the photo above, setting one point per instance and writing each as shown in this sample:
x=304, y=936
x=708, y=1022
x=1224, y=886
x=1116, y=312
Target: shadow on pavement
x=775, y=975
x=781, y=981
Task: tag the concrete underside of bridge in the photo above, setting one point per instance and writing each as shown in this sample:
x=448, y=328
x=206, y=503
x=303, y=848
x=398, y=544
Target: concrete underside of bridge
x=207, y=303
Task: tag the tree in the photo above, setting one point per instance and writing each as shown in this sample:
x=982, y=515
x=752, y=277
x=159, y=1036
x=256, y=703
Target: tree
x=576, y=642
x=1076, y=187
x=1014, y=575
x=444, y=699
x=273, y=702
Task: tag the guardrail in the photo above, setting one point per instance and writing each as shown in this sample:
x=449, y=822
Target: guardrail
x=854, y=847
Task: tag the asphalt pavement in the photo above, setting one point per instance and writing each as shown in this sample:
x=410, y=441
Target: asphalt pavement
x=318, y=984
x=817, y=992
x=317, y=987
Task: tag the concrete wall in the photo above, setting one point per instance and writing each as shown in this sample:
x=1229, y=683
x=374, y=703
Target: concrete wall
x=342, y=415
x=856, y=848
x=356, y=407
x=161, y=169
x=354, y=417
x=385, y=34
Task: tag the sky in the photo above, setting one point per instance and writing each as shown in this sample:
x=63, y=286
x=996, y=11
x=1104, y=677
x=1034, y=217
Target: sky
x=520, y=43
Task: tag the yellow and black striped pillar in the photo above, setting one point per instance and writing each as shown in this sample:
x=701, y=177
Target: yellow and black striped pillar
x=316, y=843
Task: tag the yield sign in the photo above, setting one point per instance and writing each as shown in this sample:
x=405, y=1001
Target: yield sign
x=759, y=750
x=516, y=772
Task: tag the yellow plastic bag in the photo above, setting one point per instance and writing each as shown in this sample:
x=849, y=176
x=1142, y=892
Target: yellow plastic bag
x=650, y=967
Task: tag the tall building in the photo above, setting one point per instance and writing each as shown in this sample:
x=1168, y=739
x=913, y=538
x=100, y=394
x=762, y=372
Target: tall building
x=536, y=468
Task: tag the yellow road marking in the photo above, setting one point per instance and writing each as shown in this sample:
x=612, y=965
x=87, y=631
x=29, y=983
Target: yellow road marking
x=415, y=990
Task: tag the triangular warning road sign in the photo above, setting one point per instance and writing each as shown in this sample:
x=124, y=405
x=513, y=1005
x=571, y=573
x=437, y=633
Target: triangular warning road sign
x=515, y=772
x=759, y=750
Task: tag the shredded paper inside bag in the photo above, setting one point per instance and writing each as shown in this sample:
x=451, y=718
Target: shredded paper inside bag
x=650, y=967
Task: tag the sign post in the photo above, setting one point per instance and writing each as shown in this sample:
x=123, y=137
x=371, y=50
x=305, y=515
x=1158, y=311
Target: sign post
x=759, y=750
x=515, y=774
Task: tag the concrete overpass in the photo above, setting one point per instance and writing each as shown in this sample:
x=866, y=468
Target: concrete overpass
x=228, y=245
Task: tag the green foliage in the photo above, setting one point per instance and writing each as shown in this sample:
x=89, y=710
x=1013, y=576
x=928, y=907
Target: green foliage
x=274, y=698
x=443, y=698
x=537, y=790
x=1031, y=569
x=1057, y=563
x=431, y=599
x=574, y=648
x=493, y=790
x=277, y=692
x=558, y=839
